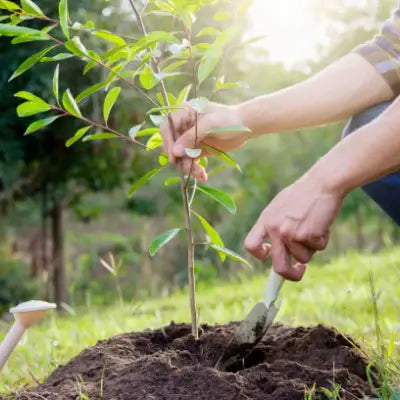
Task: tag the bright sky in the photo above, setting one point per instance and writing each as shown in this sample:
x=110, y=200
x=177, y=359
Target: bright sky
x=292, y=29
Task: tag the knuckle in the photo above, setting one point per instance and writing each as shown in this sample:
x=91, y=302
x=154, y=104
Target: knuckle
x=285, y=233
x=303, y=236
x=273, y=228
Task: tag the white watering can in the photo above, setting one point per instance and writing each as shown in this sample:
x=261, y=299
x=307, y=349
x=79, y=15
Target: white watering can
x=25, y=314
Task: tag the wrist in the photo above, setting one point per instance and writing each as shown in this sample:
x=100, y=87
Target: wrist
x=327, y=179
x=256, y=114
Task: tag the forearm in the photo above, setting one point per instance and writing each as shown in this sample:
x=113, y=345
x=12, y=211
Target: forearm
x=366, y=155
x=343, y=89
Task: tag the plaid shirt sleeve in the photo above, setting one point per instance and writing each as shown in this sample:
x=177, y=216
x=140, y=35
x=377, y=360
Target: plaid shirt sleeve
x=383, y=52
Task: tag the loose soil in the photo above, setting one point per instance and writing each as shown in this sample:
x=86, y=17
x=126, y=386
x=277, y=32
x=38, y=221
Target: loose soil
x=168, y=364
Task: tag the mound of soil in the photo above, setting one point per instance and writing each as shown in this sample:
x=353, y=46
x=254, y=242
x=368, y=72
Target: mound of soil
x=168, y=364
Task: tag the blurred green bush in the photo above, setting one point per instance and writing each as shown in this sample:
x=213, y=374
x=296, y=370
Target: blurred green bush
x=16, y=283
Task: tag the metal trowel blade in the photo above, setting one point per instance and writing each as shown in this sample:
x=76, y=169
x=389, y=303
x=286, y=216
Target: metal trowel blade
x=246, y=336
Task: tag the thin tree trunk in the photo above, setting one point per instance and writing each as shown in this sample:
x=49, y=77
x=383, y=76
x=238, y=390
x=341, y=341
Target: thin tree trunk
x=59, y=273
x=46, y=266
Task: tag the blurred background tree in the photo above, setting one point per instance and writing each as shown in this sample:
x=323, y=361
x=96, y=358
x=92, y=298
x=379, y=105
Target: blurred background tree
x=65, y=208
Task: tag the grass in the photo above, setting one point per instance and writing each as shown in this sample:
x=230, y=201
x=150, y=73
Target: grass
x=336, y=294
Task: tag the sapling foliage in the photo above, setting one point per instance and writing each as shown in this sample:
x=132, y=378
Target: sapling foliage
x=187, y=56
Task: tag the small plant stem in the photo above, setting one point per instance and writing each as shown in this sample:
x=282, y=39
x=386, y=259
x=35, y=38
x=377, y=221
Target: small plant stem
x=101, y=126
x=196, y=115
x=185, y=196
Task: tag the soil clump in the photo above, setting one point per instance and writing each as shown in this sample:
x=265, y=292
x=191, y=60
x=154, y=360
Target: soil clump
x=168, y=364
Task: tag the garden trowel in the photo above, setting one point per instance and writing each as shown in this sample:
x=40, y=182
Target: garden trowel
x=254, y=327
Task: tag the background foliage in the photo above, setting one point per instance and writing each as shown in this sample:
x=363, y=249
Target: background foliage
x=90, y=180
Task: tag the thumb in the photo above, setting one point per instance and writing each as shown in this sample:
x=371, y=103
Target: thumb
x=188, y=139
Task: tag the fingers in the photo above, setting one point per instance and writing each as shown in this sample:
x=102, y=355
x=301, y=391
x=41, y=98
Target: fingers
x=315, y=242
x=255, y=241
x=281, y=261
x=300, y=252
x=182, y=120
x=191, y=138
x=283, y=247
x=188, y=165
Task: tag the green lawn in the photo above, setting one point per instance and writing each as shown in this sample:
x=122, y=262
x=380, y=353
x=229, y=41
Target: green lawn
x=335, y=294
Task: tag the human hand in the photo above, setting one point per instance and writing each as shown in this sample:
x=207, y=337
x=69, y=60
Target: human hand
x=297, y=223
x=215, y=116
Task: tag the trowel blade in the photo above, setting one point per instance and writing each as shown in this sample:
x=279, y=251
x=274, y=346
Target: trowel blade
x=247, y=335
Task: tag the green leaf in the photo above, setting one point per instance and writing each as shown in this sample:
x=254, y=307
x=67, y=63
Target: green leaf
x=164, y=108
x=231, y=254
x=163, y=159
x=90, y=90
x=35, y=126
x=171, y=181
x=221, y=16
x=144, y=179
x=166, y=6
x=29, y=63
x=89, y=66
x=55, y=82
x=80, y=133
x=110, y=37
x=152, y=38
x=183, y=95
x=204, y=162
x=70, y=104
x=147, y=132
x=57, y=57
x=31, y=8
x=172, y=67
x=224, y=157
x=171, y=99
x=27, y=39
x=75, y=46
x=154, y=142
x=109, y=101
x=212, y=234
x=63, y=13
x=230, y=128
x=209, y=31
x=147, y=78
x=208, y=63
x=31, y=108
x=162, y=240
x=99, y=136
x=228, y=85
x=28, y=96
x=9, y=5
x=219, y=196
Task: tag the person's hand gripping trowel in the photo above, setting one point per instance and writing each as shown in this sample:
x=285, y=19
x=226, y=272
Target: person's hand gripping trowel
x=254, y=327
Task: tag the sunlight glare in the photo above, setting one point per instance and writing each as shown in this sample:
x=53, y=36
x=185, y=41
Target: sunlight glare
x=292, y=28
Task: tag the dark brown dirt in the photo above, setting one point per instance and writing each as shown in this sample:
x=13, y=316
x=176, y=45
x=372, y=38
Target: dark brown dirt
x=168, y=364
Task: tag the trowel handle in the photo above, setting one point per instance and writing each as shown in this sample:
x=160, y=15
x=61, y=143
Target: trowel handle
x=274, y=285
x=10, y=341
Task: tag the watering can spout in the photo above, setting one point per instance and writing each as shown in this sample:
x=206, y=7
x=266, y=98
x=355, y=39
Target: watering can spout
x=25, y=314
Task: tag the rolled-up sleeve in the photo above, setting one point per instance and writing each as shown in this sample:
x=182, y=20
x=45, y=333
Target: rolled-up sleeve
x=383, y=52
